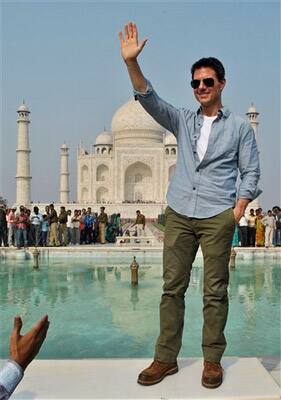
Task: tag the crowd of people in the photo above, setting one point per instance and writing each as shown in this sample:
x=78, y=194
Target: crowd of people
x=259, y=229
x=27, y=228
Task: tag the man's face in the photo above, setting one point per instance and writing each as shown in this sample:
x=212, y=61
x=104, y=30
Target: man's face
x=207, y=96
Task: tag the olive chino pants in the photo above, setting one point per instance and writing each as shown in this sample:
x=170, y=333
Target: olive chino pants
x=182, y=238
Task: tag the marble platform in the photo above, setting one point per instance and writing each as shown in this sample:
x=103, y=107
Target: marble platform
x=244, y=379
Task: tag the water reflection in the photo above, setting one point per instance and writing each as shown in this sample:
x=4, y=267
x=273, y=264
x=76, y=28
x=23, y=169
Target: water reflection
x=56, y=283
x=134, y=296
x=100, y=299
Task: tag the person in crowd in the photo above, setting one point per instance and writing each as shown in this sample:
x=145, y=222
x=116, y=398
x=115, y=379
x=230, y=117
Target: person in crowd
x=260, y=229
x=22, y=221
x=243, y=229
x=63, y=234
x=69, y=226
x=3, y=225
x=45, y=230
x=47, y=213
x=102, y=221
x=53, y=226
x=213, y=143
x=82, y=226
x=89, y=221
x=119, y=231
x=139, y=223
x=252, y=228
x=274, y=214
x=110, y=229
x=96, y=228
x=269, y=223
x=11, y=223
x=75, y=220
x=23, y=349
x=36, y=219
x=28, y=227
x=277, y=226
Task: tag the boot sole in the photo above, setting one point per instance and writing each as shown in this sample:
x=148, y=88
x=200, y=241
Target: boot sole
x=170, y=372
x=211, y=385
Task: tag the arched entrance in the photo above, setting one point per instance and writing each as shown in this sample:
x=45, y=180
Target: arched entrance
x=102, y=195
x=138, y=183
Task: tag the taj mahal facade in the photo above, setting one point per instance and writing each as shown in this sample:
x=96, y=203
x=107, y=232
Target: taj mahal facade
x=133, y=163
x=126, y=169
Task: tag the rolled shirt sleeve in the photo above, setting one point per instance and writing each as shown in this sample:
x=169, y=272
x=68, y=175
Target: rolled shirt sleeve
x=164, y=113
x=248, y=163
x=10, y=376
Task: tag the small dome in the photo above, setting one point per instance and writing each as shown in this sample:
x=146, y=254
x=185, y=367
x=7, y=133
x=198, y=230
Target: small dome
x=23, y=107
x=104, y=138
x=64, y=146
x=170, y=139
x=252, y=109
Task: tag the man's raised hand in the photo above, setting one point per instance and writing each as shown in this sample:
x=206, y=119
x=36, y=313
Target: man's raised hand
x=130, y=45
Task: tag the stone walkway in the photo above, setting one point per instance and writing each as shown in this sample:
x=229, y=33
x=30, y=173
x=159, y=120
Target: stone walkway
x=244, y=379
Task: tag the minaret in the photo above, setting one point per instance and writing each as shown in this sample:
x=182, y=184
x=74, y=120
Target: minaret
x=23, y=178
x=64, y=175
x=252, y=115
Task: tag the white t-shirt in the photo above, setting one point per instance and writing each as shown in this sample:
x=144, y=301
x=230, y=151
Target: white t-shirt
x=69, y=224
x=203, y=140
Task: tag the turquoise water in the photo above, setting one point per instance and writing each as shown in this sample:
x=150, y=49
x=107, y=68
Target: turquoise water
x=94, y=311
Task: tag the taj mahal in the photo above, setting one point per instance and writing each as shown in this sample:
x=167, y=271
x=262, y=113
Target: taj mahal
x=126, y=168
x=133, y=163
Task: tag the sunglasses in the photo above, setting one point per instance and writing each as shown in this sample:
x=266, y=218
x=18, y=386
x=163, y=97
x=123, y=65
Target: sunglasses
x=195, y=83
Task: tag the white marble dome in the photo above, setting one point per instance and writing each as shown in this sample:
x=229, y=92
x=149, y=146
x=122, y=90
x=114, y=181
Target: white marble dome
x=252, y=109
x=131, y=121
x=170, y=139
x=104, y=138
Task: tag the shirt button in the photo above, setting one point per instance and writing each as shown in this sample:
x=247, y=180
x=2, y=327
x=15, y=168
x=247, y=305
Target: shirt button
x=194, y=188
x=197, y=169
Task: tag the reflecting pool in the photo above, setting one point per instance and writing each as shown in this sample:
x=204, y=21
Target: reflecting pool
x=95, y=312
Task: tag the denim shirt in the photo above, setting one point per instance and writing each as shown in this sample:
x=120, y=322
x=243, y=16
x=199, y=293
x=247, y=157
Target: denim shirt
x=10, y=376
x=207, y=188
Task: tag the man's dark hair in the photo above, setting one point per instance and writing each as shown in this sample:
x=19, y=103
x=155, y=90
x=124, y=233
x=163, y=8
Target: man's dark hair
x=210, y=62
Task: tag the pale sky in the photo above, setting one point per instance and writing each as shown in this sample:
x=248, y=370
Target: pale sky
x=63, y=58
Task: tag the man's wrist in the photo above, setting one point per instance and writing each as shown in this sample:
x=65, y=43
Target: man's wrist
x=242, y=204
x=11, y=375
x=131, y=62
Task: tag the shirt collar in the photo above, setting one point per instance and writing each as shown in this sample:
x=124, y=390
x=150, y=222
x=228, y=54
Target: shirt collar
x=223, y=112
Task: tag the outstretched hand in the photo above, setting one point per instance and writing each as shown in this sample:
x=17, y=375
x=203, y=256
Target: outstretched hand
x=130, y=45
x=24, y=348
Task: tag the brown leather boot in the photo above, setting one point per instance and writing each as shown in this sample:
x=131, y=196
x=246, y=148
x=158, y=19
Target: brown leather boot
x=212, y=375
x=156, y=372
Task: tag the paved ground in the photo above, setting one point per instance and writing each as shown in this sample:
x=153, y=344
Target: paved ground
x=244, y=379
